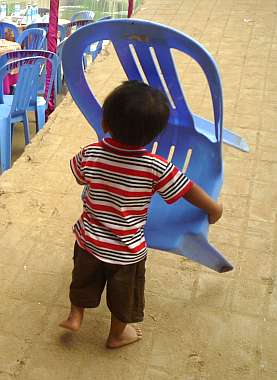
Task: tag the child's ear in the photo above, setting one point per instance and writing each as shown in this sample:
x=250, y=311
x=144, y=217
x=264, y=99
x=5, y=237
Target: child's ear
x=105, y=127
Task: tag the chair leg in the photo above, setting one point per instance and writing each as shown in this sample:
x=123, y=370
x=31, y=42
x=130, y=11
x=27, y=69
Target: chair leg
x=12, y=130
x=59, y=86
x=5, y=144
x=40, y=117
x=234, y=140
x=85, y=62
x=197, y=248
x=26, y=128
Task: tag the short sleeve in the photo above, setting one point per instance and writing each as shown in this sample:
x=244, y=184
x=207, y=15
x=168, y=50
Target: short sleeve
x=172, y=183
x=76, y=167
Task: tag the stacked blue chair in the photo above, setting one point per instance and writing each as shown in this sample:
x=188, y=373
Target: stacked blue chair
x=94, y=49
x=97, y=48
x=32, y=39
x=45, y=26
x=74, y=25
x=180, y=228
x=83, y=15
x=6, y=27
x=40, y=98
x=71, y=27
x=16, y=111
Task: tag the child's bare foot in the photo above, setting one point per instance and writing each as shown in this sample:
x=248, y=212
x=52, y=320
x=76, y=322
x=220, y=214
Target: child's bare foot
x=130, y=334
x=74, y=320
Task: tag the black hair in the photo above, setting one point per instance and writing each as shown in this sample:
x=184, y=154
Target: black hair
x=135, y=113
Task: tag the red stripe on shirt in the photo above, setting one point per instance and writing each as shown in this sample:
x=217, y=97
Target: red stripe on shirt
x=118, y=169
x=101, y=207
x=125, y=193
x=115, y=247
x=76, y=171
x=115, y=231
x=167, y=178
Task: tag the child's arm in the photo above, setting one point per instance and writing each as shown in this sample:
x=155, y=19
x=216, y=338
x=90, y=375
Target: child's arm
x=199, y=198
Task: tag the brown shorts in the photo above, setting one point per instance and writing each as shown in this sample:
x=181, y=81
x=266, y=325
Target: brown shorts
x=125, y=285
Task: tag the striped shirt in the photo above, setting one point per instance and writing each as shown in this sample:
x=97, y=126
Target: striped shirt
x=120, y=181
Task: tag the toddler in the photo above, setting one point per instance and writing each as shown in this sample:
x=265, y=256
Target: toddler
x=121, y=176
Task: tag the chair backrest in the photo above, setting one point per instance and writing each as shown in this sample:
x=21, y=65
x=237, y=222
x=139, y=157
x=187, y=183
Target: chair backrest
x=45, y=26
x=83, y=15
x=142, y=47
x=8, y=31
x=32, y=39
x=48, y=56
x=74, y=25
x=43, y=11
x=27, y=84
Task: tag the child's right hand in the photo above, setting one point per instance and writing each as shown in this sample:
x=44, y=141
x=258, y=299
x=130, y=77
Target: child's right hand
x=199, y=198
x=216, y=213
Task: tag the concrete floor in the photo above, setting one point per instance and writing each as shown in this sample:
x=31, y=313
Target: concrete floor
x=199, y=325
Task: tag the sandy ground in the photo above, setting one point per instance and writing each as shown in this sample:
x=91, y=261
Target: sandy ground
x=199, y=325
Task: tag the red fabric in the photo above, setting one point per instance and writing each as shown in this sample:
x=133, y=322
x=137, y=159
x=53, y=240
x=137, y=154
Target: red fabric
x=130, y=8
x=9, y=80
x=52, y=46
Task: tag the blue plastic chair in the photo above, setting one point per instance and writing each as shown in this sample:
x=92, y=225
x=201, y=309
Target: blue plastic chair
x=96, y=49
x=72, y=26
x=29, y=71
x=92, y=50
x=40, y=98
x=83, y=15
x=5, y=27
x=45, y=26
x=32, y=39
x=179, y=228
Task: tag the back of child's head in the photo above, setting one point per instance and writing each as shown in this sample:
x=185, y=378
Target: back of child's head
x=135, y=113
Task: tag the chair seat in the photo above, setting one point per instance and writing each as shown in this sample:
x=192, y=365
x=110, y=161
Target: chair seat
x=8, y=99
x=5, y=109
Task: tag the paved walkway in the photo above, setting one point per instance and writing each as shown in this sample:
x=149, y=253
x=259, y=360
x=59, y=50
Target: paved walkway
x=199, y=324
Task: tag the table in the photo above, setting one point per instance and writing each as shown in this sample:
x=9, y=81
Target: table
x=6, y=47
